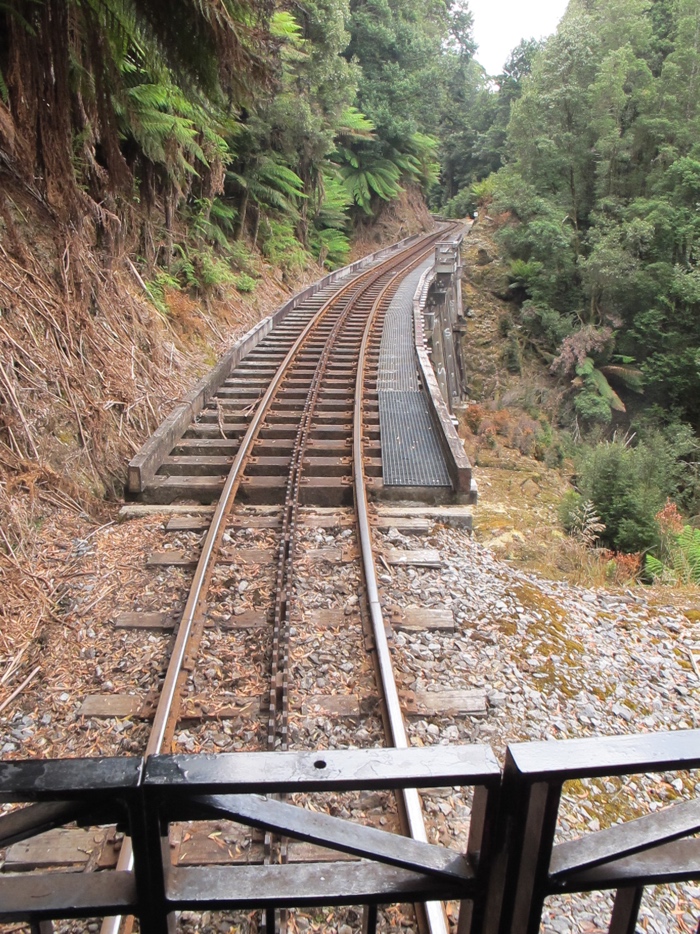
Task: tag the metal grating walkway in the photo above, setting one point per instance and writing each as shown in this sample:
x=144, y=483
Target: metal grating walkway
x=411, y=453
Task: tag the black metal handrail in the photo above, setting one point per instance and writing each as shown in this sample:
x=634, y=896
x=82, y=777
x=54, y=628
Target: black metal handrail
x=511, y=865
x=145, y=798
x=625, y=857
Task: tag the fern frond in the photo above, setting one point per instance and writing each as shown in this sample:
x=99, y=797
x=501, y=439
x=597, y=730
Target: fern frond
x=656, y=569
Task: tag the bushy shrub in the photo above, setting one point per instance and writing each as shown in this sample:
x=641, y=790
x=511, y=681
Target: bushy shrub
x=245, y=283
x=462, y=205
x=626, y=490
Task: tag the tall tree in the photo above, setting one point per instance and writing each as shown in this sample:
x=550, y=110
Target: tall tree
x=605, y=172
x=69, y=75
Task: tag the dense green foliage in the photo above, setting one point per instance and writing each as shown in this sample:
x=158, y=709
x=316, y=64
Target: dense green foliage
x=269, y=123
x=627, y=481
x=196, y=132
x=599, y=199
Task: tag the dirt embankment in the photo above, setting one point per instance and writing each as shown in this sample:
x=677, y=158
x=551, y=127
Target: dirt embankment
x=507, y=426
x=94, y=355
x=405, y=216
x=89, y=367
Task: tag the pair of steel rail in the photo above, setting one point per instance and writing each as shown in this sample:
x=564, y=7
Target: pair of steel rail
x=370, y=289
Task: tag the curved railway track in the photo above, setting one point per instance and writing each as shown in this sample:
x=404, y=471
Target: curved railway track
x=322, y=628
x=316, y=400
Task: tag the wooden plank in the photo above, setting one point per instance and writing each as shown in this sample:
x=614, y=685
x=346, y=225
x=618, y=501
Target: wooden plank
x=254, y=522
x=164, y=622
x=171, y=559
x=335, y=520
x=433, y=703
x=330, y=619
x=188, y=523
x=59, y=847
x=419, y=557
x=143, y=510
x=406, y=525
x=331, y=705
x=121, y=706
x=330, y=554
x=418, y=619
x=299, y=852
x=458, y=516
x=103, y=706
x=158, y=621
x=248, y=619
x=211, y=843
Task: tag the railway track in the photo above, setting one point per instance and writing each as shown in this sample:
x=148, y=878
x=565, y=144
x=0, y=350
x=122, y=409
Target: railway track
x=298, y=424
x=282, y=637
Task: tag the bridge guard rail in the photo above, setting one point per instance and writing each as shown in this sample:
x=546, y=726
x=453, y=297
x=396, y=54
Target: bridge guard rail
x=144, y=465
x=511, y=865
x=625, y=857
x=144, y=798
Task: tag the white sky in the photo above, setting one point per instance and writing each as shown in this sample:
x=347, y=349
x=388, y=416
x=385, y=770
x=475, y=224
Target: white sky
x=499, y=25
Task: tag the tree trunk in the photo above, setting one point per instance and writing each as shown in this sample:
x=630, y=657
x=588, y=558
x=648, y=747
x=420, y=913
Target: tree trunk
x=242, y=211
x=256, y=228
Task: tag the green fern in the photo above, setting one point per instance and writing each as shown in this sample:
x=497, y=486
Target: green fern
x=683, y=559
x=686, y=555
x=655, y=569
x=353, y=124
x=284, y=26
x=212, y=221
x=366, y=174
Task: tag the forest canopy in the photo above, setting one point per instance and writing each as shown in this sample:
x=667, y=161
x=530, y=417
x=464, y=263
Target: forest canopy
x=598, y=197
x=192, y=133
x=278, y=123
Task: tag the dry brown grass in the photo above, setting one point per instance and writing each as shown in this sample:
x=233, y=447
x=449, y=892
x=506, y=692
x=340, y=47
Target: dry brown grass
x=88, y=369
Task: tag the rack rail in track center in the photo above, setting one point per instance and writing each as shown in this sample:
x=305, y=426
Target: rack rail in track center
x=314, y=383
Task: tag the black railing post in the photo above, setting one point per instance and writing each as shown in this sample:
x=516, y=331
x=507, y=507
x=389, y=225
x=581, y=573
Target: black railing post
x=149, y=839
x=528, y=819
x=480, y=847
x=41, y=927
x=625, y=910
x=369, y=919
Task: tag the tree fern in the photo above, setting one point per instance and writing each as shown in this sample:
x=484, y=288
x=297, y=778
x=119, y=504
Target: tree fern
x=683, y=559
x=685, y=556
x=366, y=173
x=353, y=124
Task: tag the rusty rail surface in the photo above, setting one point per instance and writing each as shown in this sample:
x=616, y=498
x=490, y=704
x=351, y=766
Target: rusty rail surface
x=368, y=288
x=145, y=463
x=511, y=866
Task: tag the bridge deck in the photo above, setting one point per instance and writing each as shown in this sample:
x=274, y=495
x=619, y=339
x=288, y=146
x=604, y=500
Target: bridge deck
x=411, y=451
